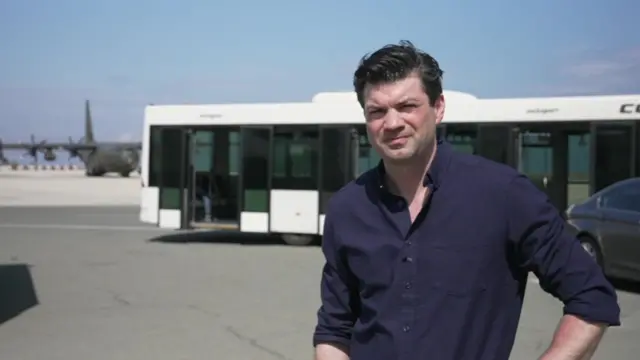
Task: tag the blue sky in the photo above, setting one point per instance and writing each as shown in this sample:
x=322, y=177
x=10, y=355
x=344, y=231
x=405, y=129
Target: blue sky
x=123, y=55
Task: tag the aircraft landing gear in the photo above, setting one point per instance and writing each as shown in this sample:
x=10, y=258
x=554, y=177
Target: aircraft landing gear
x=93, y=172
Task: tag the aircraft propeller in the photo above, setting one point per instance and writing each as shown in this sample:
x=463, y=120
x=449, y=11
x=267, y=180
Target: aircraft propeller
x=32, y=151
x=33, y=148
x=73, y=152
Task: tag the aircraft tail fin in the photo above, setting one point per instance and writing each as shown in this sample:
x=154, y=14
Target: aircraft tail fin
x=88, y=124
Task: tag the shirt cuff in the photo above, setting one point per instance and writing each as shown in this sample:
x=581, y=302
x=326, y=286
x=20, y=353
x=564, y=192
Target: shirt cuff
x=603, y=313
x=330, y=339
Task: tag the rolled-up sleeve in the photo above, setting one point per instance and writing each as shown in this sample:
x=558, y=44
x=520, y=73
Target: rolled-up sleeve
x=337, y=314
x=547, y=247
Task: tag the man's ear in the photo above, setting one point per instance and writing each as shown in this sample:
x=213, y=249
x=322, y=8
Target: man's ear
x=439, y=107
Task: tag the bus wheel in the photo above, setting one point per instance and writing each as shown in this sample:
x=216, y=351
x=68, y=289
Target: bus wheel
x=297, y=240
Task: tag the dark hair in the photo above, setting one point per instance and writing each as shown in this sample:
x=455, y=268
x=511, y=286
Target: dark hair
x=395, y=62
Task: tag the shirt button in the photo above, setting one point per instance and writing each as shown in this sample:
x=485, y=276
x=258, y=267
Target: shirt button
x=408, y=259
x=406, y=328
x=407, y=285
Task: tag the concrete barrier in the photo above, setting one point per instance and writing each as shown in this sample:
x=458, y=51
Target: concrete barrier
x=67, y=174
x=26, y=167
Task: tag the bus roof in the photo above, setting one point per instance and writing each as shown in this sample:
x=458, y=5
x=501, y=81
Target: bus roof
x=343, y=108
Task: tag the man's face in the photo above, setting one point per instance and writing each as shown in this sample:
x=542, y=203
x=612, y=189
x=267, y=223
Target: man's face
x=400, y=121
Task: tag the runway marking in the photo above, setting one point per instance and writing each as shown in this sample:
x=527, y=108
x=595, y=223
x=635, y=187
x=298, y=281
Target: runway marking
x=79, y=227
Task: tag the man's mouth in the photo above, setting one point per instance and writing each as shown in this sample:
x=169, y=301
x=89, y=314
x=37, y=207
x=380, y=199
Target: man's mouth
x=399, y=140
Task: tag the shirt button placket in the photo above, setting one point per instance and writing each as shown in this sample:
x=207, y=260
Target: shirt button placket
x=408, y=295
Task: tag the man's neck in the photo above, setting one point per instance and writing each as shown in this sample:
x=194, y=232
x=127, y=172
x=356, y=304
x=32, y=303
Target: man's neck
x=407, y=179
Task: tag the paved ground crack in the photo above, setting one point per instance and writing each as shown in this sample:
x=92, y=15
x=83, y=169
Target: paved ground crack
x=254, y=343
x=203, y=311
x=119, y=299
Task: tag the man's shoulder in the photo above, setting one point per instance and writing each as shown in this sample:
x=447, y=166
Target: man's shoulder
x=487, y=176
x=483, y=168
x=353, y=193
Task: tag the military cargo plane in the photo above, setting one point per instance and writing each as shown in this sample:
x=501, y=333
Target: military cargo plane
x=99, y=158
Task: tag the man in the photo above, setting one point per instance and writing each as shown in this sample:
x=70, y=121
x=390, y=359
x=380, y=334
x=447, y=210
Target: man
x=427, y=255
x=203, y=190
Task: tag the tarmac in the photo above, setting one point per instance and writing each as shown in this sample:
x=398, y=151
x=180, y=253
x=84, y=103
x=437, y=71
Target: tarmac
x=84, y=279
x=65, y=188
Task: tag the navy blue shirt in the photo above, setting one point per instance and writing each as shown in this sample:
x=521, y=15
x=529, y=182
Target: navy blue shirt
x=451, y=285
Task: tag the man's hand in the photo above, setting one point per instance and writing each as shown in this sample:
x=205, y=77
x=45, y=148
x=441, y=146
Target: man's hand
x=575, y=339
x=331, y=352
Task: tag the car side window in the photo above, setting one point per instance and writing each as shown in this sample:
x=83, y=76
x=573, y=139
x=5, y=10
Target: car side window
x=626, y=198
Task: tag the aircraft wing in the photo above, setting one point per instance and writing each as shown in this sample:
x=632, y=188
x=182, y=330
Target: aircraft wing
x=80, y=146
x=131, y=145
x=16, y=146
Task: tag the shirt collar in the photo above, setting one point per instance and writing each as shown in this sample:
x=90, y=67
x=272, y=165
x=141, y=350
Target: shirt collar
x=436, y=171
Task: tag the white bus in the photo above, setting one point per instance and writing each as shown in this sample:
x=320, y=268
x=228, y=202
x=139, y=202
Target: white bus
x=271, y=168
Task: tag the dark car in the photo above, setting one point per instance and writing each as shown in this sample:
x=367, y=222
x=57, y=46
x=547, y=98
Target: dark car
x=608, y=225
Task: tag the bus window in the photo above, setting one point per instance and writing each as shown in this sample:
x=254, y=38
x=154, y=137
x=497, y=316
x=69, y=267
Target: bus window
x=295, y=158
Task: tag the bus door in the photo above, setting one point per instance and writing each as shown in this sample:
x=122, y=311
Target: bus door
x=613, y=152
x=498, y=143
x=530, y=151
x=256, y=149
x=214, y=180
x=201, y=184
x=169, y=160
x=295, y=180
x=338, y=165
x=544, y=158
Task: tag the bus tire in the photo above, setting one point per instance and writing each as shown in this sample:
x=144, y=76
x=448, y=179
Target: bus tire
x=297, y=240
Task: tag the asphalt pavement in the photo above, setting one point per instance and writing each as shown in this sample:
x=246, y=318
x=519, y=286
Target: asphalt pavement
x=70, y=217
x=94, y=283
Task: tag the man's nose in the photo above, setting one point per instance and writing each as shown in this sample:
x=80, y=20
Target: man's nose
x=392, y=120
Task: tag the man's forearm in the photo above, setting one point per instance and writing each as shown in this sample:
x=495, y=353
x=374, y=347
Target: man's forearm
x=331, y=352
x=575, y=339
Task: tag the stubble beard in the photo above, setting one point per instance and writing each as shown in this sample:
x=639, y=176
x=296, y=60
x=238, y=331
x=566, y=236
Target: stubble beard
x=412, y=153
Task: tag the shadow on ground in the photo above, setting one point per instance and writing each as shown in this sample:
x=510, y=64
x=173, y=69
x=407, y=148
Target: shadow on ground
x=17, y=292
x=218, y=237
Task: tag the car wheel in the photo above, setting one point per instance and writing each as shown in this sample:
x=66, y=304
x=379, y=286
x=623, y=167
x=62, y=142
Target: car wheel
x=590, y=245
